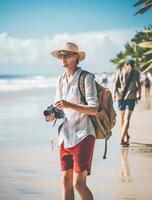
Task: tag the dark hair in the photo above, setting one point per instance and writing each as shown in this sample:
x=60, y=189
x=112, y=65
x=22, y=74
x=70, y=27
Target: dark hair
x=131, y=62
x=77, y=61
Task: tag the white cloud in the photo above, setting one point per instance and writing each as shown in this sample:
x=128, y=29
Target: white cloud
x=34, y=54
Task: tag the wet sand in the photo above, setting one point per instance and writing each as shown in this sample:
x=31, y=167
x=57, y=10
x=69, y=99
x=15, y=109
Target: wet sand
x=141, y=127
x=29, y=168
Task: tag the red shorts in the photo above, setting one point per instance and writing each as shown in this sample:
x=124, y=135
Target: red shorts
x=79, y=157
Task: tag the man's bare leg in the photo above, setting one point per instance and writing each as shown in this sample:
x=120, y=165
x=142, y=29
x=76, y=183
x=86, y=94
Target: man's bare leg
x=79, y=182
x=68, y=191
x=125, y=127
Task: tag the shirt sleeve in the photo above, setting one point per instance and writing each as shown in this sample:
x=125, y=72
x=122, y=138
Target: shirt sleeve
x=117, y=83
x=138, y=83
x=90, y=90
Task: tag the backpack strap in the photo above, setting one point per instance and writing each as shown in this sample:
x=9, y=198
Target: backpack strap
x=130, y=78
x=81, y=85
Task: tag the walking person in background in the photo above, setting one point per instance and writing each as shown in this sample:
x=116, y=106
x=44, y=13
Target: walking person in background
x=77, y=135
x=104, y=79
x=147, y=84
x=127, y=90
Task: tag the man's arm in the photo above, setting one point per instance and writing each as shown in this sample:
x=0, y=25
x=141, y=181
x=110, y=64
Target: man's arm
x=116, y=85
x=138, y=86
x=86, y=109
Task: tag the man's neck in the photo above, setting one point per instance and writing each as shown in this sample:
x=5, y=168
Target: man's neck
x=71, y=70
x=127, y=71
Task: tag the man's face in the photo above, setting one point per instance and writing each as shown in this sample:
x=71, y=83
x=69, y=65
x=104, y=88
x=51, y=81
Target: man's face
x=127, y=68
x=68, y=58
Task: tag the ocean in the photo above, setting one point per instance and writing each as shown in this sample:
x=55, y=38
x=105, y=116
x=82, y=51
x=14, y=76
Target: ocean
x=25, y=82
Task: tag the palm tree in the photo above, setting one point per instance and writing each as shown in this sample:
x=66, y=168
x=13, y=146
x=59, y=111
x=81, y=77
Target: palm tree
x=140, y=47
x=119, y=60
x=146, y=45
x=137, y=49
x=147, y=5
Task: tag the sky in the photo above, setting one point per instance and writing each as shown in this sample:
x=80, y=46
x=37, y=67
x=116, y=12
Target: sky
x=30, y=29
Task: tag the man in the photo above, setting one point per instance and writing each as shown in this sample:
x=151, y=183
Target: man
x=77, y=135
x=127, y=89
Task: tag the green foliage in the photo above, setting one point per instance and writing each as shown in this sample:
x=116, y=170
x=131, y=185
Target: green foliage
x=138, y=50
x=146, y=5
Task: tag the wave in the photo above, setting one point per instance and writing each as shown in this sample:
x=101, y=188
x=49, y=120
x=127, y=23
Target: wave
x=25, y=82
x=21, y=82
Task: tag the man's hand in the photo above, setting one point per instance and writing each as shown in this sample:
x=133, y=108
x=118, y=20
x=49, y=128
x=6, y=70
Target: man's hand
x=62, y=104
x=50, y=118
x=138, y=97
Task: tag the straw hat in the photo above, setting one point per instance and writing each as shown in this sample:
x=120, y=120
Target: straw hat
x=71, y=47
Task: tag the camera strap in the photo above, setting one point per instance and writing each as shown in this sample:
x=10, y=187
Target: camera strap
x=54, y=122
x=129, y=80
x=59, y=128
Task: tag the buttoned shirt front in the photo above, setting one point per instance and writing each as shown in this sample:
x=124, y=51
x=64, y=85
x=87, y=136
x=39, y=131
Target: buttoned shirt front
x=76, y=125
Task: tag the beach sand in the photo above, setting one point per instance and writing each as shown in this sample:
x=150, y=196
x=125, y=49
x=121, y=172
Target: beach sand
x=29, y=168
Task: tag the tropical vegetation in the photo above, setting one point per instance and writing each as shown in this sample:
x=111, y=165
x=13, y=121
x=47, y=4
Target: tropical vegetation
x=140, y=46
x=146, y=5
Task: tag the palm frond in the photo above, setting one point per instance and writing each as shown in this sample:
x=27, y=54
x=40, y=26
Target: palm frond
x=147, y=6
x=146, y=63
x=145, y=45
x=147, y=31
x=148, y=52
x=139, y=2
x=147, y=69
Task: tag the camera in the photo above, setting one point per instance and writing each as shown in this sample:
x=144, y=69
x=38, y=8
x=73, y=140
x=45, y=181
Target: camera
x=52, y=109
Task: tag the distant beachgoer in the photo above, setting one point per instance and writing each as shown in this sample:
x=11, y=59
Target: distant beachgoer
x=104, y=79
x=147, y=84
x=77, y=135
x=127, y=90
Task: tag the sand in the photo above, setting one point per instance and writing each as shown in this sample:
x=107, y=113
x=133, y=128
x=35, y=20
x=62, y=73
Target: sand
x=29, y=168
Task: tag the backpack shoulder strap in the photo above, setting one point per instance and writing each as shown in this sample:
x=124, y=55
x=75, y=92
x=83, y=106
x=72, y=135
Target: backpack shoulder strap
x=81, y=85
x=130, y=78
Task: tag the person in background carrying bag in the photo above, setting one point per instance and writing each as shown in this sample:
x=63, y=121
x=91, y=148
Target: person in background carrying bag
x=127, y=90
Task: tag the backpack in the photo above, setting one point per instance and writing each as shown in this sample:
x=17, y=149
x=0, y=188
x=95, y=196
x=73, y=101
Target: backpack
x=105, y=118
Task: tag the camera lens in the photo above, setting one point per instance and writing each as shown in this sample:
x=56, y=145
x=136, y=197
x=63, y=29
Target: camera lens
x=46, y=113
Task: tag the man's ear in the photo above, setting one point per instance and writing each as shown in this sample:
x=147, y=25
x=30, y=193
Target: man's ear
x=77, y=56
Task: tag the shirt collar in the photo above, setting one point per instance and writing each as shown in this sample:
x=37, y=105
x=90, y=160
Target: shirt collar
x=74, y=76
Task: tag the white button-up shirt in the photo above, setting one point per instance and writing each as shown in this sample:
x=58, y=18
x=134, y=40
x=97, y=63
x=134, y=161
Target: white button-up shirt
x=77, y=125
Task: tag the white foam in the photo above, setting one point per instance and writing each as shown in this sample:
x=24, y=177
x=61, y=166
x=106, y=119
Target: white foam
x=26, y=83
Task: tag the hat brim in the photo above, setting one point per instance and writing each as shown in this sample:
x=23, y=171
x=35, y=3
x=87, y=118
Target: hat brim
x=80, y=53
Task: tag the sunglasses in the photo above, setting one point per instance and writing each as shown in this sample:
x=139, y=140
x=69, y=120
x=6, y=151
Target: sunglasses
x=66, y=55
